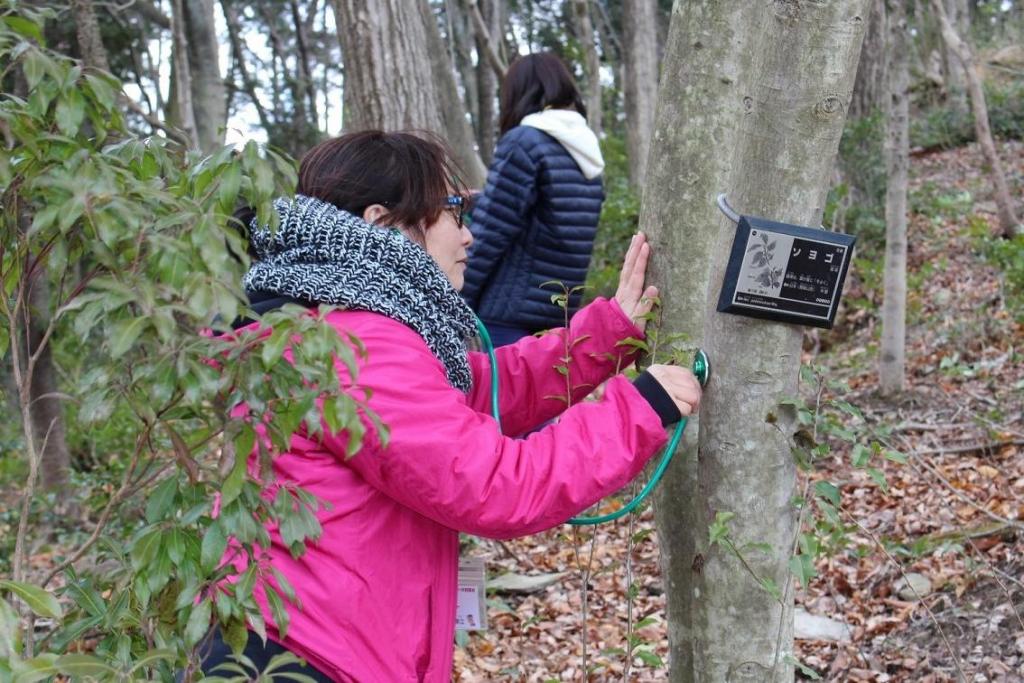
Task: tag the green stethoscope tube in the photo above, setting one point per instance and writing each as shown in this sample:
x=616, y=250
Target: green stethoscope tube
x=701, y=369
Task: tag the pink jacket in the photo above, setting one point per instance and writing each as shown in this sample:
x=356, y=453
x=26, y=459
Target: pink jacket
x=378, y=590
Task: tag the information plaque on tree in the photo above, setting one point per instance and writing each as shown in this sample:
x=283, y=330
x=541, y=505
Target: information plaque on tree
x=788, y=273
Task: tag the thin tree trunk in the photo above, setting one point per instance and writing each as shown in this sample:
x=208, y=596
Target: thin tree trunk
x=753, y=102
x=248, y=82
x=306, y=84
x=47, y=411
x=462, y=38
x=592, y=63
x=487, y=78
x=897, y=157
x=1008, y=222
x=486, y=26
x=395, y=66
x=956, y=79
x=209, y=99
x=88, y=33
x=640, y=82
x=869, y=89
x=180, y=111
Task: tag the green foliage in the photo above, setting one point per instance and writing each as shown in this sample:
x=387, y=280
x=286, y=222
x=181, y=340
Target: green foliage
x=857, y=205
x=620, y=219
x=1008, y=256
x=134, y=239
x=946, y=127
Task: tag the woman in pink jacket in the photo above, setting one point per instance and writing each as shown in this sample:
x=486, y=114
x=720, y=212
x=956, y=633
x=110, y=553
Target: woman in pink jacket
x=377, y=590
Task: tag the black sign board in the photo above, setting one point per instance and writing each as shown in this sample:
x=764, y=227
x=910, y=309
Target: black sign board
x=783, y=272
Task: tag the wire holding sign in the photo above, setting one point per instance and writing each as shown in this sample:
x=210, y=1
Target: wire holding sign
x=783, y=272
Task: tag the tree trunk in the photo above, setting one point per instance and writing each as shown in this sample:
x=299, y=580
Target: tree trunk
x=398, y=75
x=492, y=14
x=1008, y=222
x=640, y=83
x=752, y=103
x=88, y=35
x=592, y=63
x=897, y=161
x=47, y=411
x=461, y=37
x=956, y=79
x=869, y=90
x=180, y=112
x=209, y=98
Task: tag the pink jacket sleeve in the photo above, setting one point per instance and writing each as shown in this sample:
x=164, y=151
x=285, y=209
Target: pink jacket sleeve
x=532, y=389
x=448, y=461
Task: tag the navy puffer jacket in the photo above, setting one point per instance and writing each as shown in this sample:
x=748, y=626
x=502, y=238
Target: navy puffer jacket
x=534, y=223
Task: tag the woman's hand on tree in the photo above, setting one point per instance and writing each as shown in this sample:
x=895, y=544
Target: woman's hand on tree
x=681, y=386
x=636, y=301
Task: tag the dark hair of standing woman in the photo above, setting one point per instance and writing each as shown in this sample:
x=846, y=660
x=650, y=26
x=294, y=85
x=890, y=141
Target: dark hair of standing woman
x=534, y=82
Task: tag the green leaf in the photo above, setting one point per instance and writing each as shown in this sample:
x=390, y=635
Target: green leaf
x=878, y=476
x=10, y=631
x=38, y=600
x=25, y=27
x=649, y=658
x=161, y=499
x=244, y=442
x=102, y=90
x=34, y=66
x=827, y=490
x=896, y=456
x=277, y=610
x=860, y=455
x=214, y=544
x=198, y=623
x=152, y=657
x=274, y=346
x=35, y=669
x=230, y=182
x=805, y=670
x=70, y=112
x=125, y=334
x=803, y=567
x=79, y=665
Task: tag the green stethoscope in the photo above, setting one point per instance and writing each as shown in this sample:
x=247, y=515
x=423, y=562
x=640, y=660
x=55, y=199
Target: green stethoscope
x=701, y=369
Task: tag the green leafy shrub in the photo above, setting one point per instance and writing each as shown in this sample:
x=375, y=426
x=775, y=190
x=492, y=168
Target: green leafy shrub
x=132, y=238
x=945, y=127
x=620, y=219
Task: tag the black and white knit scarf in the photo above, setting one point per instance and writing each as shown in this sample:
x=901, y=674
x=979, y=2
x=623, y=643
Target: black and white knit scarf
x=322, y=254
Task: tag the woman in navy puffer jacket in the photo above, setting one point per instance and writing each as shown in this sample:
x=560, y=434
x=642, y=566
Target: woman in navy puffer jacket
x=535, y=222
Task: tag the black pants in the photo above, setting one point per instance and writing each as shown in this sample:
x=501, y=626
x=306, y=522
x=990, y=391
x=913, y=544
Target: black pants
x=260, y=654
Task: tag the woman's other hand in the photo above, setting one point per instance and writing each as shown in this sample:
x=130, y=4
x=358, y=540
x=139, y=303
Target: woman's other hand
x=636, y=301
x=680, y=384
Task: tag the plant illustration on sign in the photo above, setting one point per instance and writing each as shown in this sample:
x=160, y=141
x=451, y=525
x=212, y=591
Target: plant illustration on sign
x=764, y=253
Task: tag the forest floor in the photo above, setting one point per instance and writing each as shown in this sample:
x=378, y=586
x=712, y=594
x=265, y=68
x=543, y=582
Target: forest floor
x=949, y=514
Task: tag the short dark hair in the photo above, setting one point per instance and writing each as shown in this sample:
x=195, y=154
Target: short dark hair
x=534, y=82
x=409, y=173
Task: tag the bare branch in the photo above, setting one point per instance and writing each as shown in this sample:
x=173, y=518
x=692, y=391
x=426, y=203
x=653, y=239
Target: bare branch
x=480, y=28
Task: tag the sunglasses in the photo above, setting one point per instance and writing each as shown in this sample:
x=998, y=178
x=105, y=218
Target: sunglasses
x=457, y=204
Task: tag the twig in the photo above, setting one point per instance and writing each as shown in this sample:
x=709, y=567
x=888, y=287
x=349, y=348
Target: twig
x=126, y=485
x=995, y=575
x=172, y=132
x=942, y=633
x=972, y=448
x=480, y=26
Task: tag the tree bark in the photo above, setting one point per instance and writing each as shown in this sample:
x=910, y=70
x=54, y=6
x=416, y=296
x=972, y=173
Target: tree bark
x=753, y=102
x=640, y=83
x=395, y=70
x=486, y=25
x=897, y=160
x=46, y=409
x=209, y=97
x=180, y=112
x=869, y=89
x=956, y=79
x=88, y=34
x=592, y=64
x=487, y=77
x=1008, y=221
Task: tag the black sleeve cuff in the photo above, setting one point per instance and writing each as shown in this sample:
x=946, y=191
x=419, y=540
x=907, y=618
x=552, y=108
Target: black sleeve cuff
x=659, y=399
